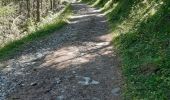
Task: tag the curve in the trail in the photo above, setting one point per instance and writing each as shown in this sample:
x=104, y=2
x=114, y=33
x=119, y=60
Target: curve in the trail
x=75, y=63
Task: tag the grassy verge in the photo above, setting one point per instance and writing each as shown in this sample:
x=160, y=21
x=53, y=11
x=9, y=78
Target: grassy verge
x=142, y=37
x=43, y=31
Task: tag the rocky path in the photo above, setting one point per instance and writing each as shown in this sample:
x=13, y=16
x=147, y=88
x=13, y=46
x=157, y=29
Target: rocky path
x=75, y=63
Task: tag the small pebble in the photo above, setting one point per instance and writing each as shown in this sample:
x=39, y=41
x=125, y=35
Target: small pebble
x=33, y=84
x=116, y=91
x=74, y=72
x=58, y=80
x=95, y=82
x=60, y=97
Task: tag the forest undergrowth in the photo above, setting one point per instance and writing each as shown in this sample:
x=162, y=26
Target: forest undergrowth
x=14, y=40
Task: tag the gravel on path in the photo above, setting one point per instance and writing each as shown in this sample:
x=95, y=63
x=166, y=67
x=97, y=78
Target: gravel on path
x=77, y=62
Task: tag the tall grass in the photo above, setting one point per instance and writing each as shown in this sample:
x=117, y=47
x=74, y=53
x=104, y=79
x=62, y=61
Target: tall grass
x=142, y=37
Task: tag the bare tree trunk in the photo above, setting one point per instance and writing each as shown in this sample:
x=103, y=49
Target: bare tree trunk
x=54, y=4
x=28, y=8
x=51, y=4
x=38, y=10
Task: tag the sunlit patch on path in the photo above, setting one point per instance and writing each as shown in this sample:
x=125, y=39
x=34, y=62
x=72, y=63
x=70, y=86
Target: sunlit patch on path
x=76, y=63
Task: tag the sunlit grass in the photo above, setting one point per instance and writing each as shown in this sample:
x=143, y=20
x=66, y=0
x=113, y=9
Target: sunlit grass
x=142, y=51
x=107, y=11
x=137, y=15
x=6, y=10
x=107, y=5
x=44, y=30
x=141, y=35
x=96, y=3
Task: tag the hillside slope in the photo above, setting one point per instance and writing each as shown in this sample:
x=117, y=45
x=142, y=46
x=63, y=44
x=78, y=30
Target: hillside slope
x=141, y=30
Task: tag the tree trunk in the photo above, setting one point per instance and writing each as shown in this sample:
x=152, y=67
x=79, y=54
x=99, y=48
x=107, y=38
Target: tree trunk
x=51, y=4
x=28, y=8
x=38, y=10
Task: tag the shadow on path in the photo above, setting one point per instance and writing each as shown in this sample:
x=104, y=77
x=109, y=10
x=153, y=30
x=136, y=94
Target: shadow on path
x=75, y=63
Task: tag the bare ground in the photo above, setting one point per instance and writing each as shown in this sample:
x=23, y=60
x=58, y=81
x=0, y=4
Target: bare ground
x=77, y=62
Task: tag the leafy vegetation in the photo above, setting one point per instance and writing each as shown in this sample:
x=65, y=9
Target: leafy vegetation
x=42, y=31
x=19, y=17
x=142, y=36
x=6, y=10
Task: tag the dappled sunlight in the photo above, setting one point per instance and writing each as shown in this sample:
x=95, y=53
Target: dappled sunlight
x=137, y=15
x=107, y=5
x=82, y=18
x=92, y=12
x=111, y=9
x=96, y=10
x=51, y=18
x=61, y=56
x=96, y=2
x=74, y=56
x=74, y=62
x=18, y=19
x=105, y=37
x=78, y=21
x=139, y=35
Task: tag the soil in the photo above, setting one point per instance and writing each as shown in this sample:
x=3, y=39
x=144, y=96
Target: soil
x=77, y=62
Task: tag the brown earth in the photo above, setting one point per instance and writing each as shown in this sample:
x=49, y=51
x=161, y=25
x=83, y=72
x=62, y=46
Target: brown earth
x=77, y=62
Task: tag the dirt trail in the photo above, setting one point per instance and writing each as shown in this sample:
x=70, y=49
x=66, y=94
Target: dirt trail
x=75, y=63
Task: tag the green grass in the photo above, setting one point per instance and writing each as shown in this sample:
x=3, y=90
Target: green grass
x=11, y=48
x=7, y=10
x=142, y=38
x=88, y=1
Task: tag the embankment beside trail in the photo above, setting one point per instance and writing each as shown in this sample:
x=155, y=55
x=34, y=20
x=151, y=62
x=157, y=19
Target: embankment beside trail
x=142, y=37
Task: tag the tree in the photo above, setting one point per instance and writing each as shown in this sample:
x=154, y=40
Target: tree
x=38, y=11
x=28, y=8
